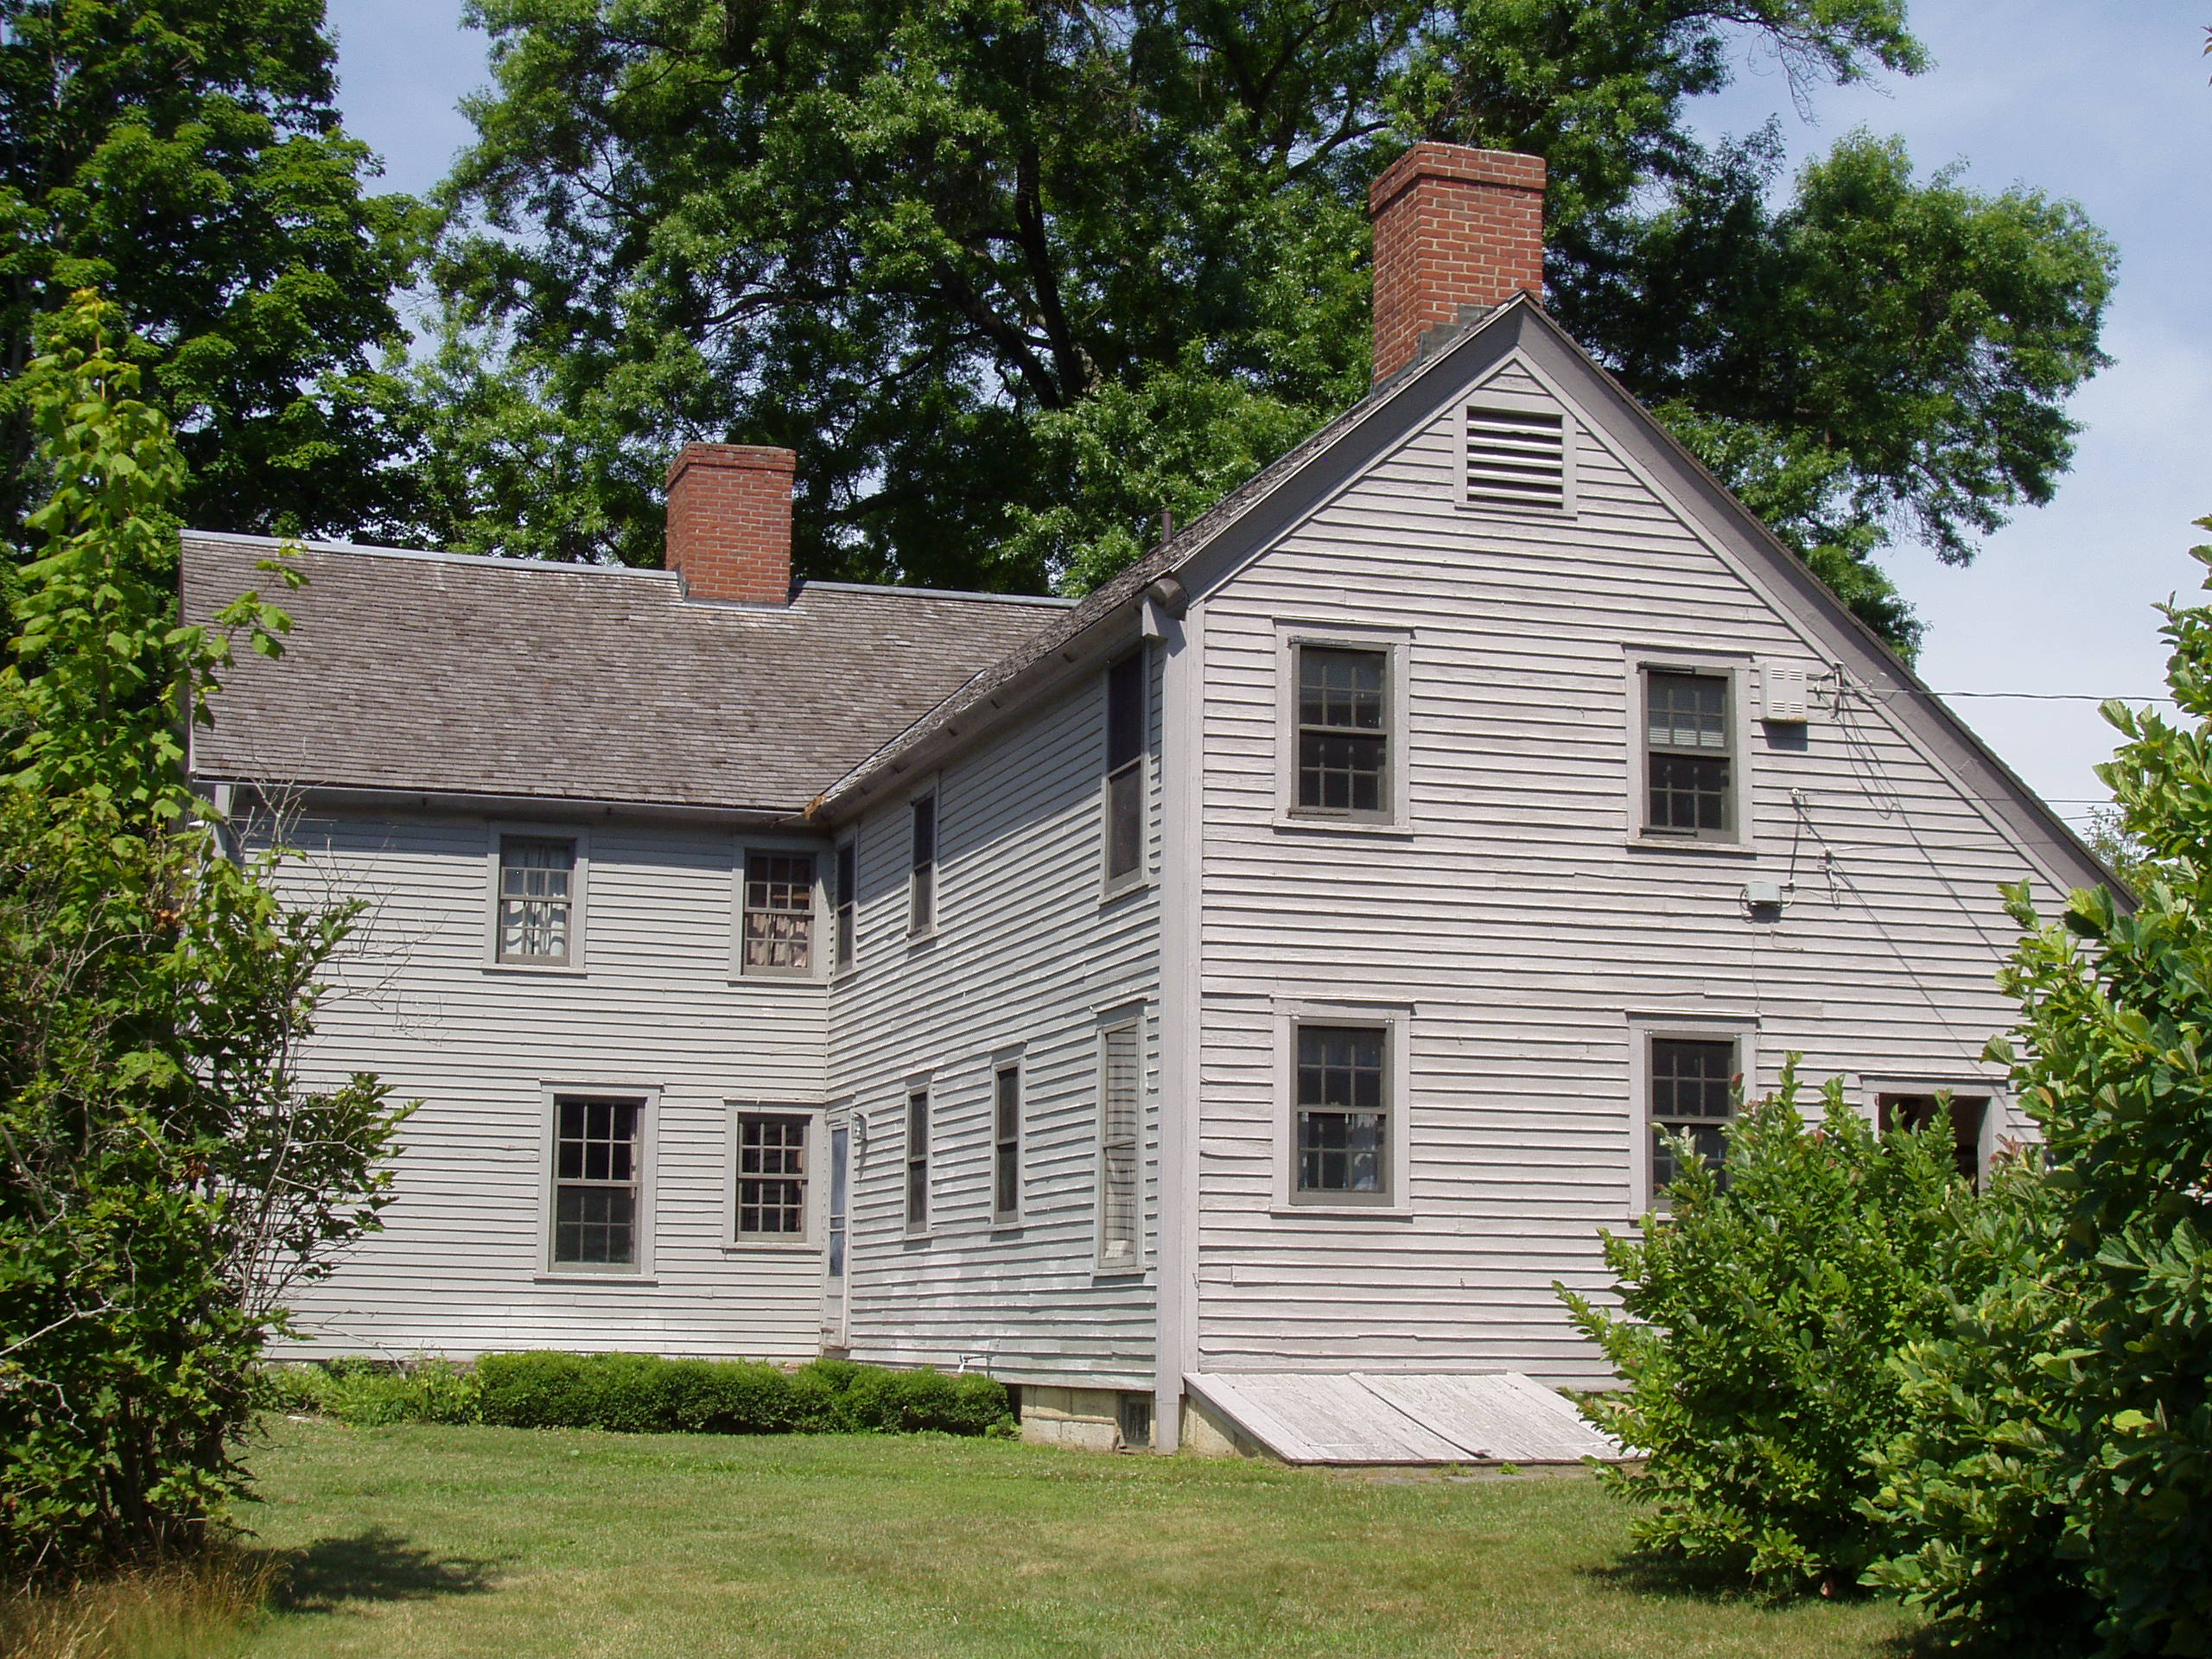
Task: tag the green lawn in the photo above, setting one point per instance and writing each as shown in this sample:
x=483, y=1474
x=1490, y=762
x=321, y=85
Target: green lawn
x=427, y=1542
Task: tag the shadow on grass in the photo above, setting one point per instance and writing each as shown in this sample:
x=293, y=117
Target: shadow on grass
x=372, y=1565
x=1666, y=1578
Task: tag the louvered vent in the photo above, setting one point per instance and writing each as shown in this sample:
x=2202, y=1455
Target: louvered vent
x=1517, y=458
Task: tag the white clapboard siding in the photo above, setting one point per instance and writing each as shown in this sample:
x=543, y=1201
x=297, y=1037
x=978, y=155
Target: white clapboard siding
x=458, y=1268
x=1519, y=923
x=1024, y=953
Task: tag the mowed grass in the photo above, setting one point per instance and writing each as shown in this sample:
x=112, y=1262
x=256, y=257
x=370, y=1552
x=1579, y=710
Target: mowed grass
x=435, y=1542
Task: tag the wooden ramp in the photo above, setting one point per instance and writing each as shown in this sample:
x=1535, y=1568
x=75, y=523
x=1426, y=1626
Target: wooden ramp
x=1385, y=1417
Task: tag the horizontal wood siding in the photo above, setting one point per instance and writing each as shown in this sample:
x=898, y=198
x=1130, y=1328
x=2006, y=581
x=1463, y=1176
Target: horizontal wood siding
x=459, y=1267
x=1519, y=921
x=1024, y=953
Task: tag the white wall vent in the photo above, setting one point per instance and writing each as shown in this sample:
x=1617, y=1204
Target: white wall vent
x=1784, y=694
x=1517, y=457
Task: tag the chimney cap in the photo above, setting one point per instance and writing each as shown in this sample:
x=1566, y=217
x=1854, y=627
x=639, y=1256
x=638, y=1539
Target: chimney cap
x=1505, y=168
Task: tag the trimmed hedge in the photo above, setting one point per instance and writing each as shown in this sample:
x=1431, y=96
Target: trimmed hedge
x=641, y=1394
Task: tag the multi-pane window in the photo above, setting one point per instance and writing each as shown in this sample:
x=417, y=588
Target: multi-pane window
x=1690, y=756
x=779, y=925
x=1693, y=1094
x=917, y=1161
x=537, y=882
x=848, y=890
x=1343, y=735
x=595, y=1168
x=1125, y=768
x=772, y=1175
x=1121, y=1198
x=1006, y=1145
x=1968, y=1112
x=1343, y=1109
x=921, y=880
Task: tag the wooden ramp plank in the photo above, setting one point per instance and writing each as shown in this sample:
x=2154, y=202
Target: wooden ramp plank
x=1385, y=1417
x=1311, y=1417
x=1503, y=1417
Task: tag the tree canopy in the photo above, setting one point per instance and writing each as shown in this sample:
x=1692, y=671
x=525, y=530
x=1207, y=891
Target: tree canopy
x=1014, y=277
x=184, y=157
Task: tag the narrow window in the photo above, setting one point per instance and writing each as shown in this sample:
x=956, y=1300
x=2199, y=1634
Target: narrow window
x=1006, y=1146
x=1125, y=768
x=772, y=1175
x=917, y=1161
x=1693, y=1093
x=921, y=880
x=1689, y=755
x=595, y=1183
x=1121, y=1202
x=1344, y=739
x=1968, y=1114
x=1343, y=1105
x=848, y=899
x=778, y=927
x=536, y=898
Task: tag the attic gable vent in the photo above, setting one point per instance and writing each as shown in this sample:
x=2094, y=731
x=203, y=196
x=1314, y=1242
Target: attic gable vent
x=1518, y=458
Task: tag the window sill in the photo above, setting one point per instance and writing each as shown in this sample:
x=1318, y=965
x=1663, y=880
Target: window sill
x=772, y=1246
x=593, y=1279
x=797, y=982
x=539, y=970
x=1114, y=892
x=1392, y=830
x=1136, y=1271
x=1003, y=1227
x=1342, y=1211
x=1686, y=844
x=915, y=940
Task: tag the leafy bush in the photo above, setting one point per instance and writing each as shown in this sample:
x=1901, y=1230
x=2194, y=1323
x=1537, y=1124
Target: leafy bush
x=1760, y=1322
x=362, y=1394
x=641, y=1394
x=166, y=1178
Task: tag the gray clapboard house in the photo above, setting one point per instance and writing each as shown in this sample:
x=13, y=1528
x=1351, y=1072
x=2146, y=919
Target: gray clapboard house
x=1223, y=1007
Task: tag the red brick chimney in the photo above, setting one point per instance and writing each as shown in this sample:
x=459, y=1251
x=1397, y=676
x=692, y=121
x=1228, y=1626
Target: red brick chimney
x=730, y=522
x=1454, y=227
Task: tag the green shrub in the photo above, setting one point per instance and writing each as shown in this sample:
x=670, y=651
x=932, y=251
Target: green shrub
x=369, y=1394
x=1761, y=1319
x=639, y=1394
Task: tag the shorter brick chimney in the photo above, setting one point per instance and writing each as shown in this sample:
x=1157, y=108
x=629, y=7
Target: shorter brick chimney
x=1454, y=227
x=730, y=522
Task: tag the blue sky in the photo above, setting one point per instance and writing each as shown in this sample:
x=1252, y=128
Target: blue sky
x=2107, y=105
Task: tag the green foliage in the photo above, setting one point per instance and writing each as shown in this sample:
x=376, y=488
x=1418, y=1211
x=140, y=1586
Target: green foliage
x=1014, y=280
x=2095, y=1351
x=641, y=1394
x=1756, y=1328
x=167, y=1181
x=183, y=156
x=365, y=1394
x=1937, y=331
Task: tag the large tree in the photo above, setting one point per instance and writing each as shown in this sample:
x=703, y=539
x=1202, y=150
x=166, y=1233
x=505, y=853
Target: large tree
x=183, y=156
x=1013, y=277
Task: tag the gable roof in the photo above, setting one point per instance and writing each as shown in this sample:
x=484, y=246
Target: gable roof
x=450, y=674
x=1274, y=498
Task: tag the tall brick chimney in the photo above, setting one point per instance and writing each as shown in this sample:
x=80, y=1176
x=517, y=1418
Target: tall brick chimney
x=730, y=522
x=1454, y=227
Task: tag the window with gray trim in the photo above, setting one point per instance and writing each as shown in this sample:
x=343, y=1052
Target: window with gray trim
x=1916, y=1112
x=921, y=877
x=1344, y=732
x=848, y=901
x=1006, y=1145
x=1694, y=1084
x=1121, y=1196
x=1341, y=1110
x=596, y=1157
x=778, y=929
x=1125, y=768
x=537, y=876
x=917, y=1161
x=1689, y=760
x=772, y=1175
